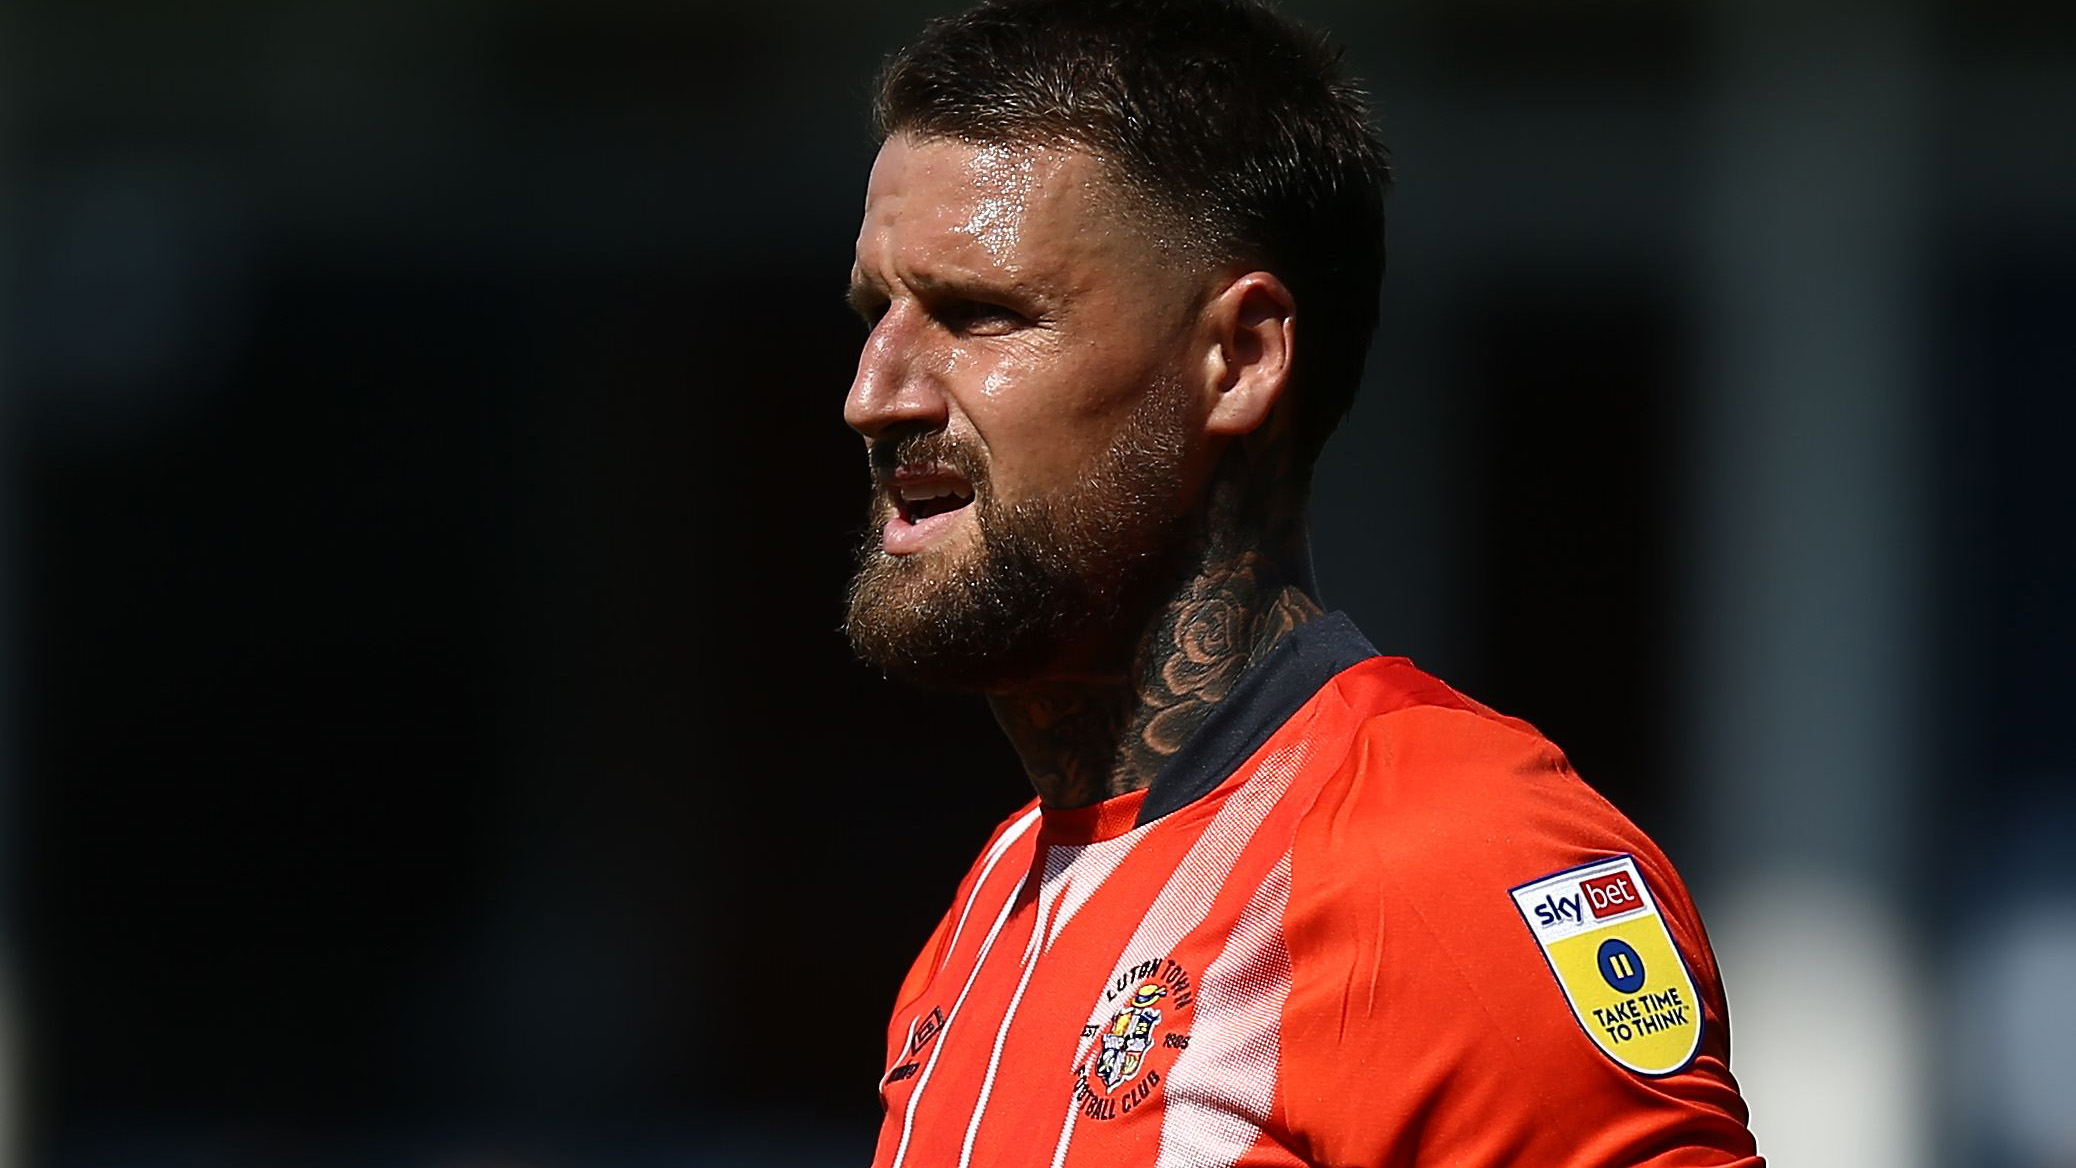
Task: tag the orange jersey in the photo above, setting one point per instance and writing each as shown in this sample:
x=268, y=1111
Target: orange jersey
x=1360, y=920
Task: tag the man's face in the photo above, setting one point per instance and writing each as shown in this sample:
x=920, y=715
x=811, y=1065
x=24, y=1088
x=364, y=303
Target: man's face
x=1025, y=400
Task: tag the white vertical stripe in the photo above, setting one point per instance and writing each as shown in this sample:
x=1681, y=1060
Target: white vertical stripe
x=1072, y=875
x=987, y=943
x=907, y=1044
x=1084, y=870
x=1221, y=1088
x=1041, y=931
x=995, y=854
x=1186, y=898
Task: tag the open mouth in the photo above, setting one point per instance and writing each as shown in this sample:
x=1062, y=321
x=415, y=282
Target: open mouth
x=926, y=502
x=920, y=503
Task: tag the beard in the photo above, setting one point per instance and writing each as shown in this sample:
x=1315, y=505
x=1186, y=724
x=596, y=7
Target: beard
x=1048, y=578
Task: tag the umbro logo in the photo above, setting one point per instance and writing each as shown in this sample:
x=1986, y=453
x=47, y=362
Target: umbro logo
x=926, y=1029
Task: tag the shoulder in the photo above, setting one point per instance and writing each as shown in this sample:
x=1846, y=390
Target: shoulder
x=1438, y=806
x=991, y=877
x=1428, y=780
x=1411, y=957
x=1002, y=860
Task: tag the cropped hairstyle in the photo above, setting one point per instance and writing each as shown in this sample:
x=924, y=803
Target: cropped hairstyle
x=1227, y=126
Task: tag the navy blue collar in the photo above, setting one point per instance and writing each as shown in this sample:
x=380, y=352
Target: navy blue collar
x=1271, y=690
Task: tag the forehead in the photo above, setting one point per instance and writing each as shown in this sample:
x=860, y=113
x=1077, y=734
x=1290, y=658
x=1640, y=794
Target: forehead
x=1013, y=210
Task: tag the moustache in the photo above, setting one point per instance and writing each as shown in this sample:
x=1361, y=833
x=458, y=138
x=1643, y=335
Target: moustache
x=925, y=450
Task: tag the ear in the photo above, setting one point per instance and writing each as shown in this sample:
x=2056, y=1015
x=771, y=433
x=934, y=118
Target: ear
x=1253, y=326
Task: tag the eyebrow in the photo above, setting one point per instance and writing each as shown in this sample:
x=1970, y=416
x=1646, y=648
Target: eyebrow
x=869, y=293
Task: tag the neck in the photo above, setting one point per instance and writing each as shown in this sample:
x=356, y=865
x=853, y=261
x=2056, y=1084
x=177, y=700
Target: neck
x=1088, y=738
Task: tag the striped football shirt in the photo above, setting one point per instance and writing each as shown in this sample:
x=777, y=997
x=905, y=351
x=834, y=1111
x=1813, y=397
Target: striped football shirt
x=1358, y=920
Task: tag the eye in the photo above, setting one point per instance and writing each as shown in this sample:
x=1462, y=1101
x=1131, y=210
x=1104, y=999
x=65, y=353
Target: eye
x=980, y=318
x=869, y=305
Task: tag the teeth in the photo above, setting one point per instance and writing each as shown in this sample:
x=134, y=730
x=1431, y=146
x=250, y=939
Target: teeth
x=925, y=494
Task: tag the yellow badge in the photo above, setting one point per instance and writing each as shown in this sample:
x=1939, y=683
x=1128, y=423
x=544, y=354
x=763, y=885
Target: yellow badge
x=1628, y=986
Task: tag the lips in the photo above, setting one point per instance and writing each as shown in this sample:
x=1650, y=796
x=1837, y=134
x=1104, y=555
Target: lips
x=927, y=502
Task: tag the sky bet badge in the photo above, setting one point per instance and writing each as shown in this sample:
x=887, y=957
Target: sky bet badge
x=1600, y=930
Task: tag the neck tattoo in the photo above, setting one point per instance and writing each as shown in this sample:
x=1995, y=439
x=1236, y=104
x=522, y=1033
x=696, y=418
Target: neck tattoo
x=1086, y=739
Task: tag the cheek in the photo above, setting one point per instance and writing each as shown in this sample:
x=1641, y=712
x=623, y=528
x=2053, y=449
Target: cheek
x=1041, y=439
x=955, y=365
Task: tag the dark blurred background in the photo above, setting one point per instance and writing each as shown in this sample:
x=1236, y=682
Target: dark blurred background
x=427, y=738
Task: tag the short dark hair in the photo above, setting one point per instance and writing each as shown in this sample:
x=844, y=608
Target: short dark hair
x=1234, y=125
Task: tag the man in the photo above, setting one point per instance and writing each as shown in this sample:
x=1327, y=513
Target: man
x=1280, y=900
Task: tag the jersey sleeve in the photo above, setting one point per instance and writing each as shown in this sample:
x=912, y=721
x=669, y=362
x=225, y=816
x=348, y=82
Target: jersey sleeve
x=919, y=974
x=1430, y=1023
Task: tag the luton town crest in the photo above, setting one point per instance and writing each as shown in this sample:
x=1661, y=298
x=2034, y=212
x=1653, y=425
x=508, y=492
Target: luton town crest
x=1136, y=1031
x=1129, y=1036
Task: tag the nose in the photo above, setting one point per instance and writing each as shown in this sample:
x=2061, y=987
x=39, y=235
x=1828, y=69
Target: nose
x=893, y=387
